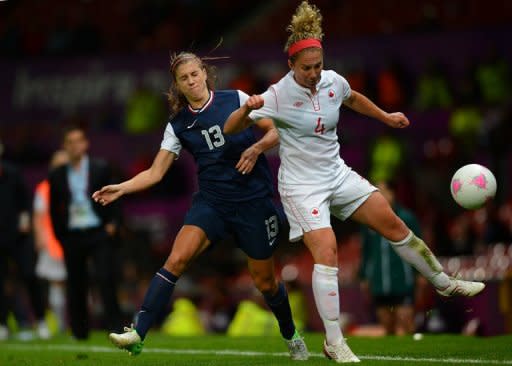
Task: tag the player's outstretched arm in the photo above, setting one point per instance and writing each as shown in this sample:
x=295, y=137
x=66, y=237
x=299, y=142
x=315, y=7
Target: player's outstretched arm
x=141, y=181
x=361, y=104
x=267, y=141
x=239, y=119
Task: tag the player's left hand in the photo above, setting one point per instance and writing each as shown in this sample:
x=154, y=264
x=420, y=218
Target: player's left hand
x=397, y=120
x=248, y=160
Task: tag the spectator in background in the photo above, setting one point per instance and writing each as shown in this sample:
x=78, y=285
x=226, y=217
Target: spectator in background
x=60, y=38
x=50, y=262
x=358, y=78
x=15, y=244
x=465, y=126
x=391, y=86
x=493, y=78
x=145, y=110
x=386, y=157
x=10, y=39
x=86, y=39
x=246, y=80
x=389, y=280
x=433, y=89
x=497, y=133
x=86, y=231
x=461, y=236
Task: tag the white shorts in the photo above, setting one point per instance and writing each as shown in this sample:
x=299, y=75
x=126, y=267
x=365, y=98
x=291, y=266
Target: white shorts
x=309, y=207
x=50, y=268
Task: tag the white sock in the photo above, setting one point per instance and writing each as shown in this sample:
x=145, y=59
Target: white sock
x=414, y=251
x=57, y=302
x=327, y=299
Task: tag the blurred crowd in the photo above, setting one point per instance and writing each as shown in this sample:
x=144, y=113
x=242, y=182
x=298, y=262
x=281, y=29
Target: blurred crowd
x=465, y=117
x=89, y=27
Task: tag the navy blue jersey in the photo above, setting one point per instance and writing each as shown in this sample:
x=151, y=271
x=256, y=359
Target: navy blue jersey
x=216, y=154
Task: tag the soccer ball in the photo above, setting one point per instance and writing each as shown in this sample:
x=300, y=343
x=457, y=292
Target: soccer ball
x=472, y=186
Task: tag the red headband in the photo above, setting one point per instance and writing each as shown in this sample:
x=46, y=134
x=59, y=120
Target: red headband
x=300, y=45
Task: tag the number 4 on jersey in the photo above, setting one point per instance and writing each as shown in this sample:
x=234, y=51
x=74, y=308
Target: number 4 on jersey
x=320, y=128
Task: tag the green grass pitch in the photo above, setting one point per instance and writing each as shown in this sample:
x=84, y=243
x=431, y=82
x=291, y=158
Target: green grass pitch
x=266, y=351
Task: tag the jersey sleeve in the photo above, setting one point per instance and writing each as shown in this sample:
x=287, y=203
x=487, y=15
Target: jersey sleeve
x=170, y=141
x=270, y=107
x=346, y=90
x=243, y=97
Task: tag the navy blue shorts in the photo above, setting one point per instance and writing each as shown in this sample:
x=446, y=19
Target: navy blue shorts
x=255, y=224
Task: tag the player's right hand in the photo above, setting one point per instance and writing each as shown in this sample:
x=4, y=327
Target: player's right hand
x=107, y=194
x=255, y=102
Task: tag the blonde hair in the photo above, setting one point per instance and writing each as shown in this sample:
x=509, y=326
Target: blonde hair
x=175, y=98
x=306, y=23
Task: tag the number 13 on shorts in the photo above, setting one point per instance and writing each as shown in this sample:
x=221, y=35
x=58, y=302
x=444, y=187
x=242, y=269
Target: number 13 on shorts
x=272, y=226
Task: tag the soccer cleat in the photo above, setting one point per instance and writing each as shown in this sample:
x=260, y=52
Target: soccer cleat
x=461, y=288
x=297, y=347
x=340, y=352
x=129, y=340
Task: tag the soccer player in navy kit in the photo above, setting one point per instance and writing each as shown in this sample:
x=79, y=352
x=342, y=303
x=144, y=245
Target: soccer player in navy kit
x=235, y=196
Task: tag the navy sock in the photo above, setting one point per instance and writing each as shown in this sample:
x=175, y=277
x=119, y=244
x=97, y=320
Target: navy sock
x=157, y=297
x=280, y=306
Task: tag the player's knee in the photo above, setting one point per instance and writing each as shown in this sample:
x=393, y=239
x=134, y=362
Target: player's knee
x=327, y=256
x=176, y=264
x=267, y=285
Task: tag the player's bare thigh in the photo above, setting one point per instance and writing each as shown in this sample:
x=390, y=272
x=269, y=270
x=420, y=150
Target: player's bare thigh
x=376, y=213
x=189, y=243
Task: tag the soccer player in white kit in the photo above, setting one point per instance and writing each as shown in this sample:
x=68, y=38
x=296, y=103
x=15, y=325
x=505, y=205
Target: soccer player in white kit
x=314, y=182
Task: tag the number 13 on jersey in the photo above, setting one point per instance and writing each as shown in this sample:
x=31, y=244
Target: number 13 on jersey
x=213, y=137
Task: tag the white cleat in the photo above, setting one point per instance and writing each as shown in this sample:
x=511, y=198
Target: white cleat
x=297, y=348
x=129, y=340
x=461, y=288
x=340, y=352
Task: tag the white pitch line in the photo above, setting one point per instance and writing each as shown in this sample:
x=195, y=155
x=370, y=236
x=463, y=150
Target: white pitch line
x=229, y=352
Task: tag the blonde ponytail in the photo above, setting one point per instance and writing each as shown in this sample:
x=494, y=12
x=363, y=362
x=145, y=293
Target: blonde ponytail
x=306, y=24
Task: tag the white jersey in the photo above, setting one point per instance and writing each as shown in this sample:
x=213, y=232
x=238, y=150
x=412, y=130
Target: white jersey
x=307, y=126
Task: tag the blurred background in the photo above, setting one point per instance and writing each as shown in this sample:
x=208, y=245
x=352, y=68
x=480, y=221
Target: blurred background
x=445, y=63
